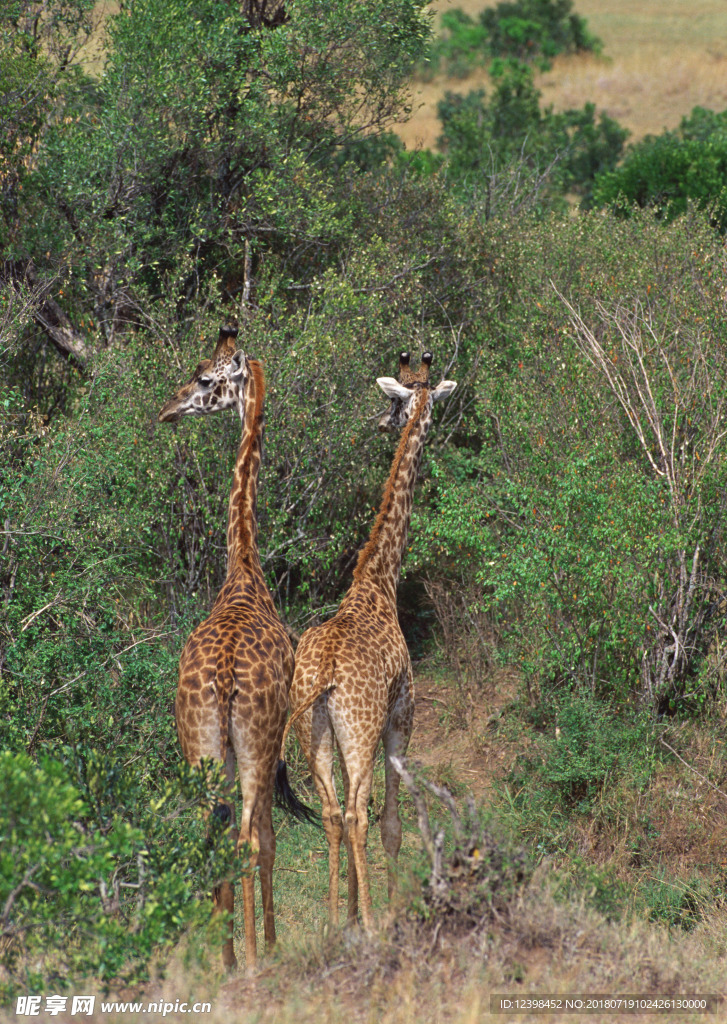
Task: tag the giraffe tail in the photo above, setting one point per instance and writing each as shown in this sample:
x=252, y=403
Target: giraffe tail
x=223, y=707
x=219, y=821
x=288, y=801
x=324, y=683
x=284, y=795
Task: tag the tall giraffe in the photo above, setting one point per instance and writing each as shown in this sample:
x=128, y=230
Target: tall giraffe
x=353, y=684
x=237, y=665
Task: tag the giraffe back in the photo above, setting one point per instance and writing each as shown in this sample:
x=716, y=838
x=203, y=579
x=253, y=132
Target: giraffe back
x=234, y=675
x=366, y=650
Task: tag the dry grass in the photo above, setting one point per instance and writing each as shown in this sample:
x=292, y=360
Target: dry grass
x=411, y=974
x=661, y=58
x=420, y=974
x=677, y=822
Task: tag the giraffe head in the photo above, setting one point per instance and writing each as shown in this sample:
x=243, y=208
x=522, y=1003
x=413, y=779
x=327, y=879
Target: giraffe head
x=217, y=383
x=403, y=391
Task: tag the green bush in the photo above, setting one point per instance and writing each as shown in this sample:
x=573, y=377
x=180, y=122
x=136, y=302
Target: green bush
x=591, y=545
x=569, y=564
x=533, y=31
x=670, y=171
x=98, y=870
x=461, y=46
x=38, y=55
x=484, y=138
x=585, y=746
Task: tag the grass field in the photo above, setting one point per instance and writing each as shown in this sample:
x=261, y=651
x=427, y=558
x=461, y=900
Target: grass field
x=562, y=930
x=659, y=60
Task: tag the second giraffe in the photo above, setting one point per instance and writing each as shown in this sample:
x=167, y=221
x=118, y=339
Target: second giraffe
x=353, y=684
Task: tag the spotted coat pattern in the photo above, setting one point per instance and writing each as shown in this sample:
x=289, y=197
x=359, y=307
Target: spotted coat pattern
x=237, y=665
x=353, y=685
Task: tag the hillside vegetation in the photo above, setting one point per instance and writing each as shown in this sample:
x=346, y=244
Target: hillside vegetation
x=563, y=591
x=656, y=64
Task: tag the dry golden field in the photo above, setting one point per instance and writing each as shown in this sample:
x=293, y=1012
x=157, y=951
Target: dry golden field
x=660, y=58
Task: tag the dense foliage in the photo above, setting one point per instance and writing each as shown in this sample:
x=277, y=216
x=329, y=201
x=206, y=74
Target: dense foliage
x=214, y=163
x=592, y=503
x=525, y=30
x=557, y=154
x=89, y=853
x=671, y=170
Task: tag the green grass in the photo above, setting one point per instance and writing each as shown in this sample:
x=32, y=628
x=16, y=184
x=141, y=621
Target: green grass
x=301, y=865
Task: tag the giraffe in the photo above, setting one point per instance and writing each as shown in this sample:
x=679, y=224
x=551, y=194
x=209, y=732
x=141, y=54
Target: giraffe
x=353, y=685
x=237, y=665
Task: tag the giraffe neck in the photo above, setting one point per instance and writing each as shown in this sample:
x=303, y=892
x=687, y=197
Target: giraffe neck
x=380, y=560
x=242, y=552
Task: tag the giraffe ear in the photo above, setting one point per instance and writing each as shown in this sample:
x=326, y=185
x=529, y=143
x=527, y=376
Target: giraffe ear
x=443, y=389
x=393, y=389
x=237, y=367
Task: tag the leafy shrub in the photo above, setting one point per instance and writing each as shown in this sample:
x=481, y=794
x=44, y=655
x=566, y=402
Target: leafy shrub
x=533, y=31
x=671, y=170
x=91, y=855
x=590, y=542
x=566, y=150
x=530, y=29
x=585, y=747
x=461, y=46
x=593, y=148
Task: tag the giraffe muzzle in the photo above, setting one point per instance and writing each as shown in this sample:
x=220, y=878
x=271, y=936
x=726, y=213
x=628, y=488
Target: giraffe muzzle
x=169, y=413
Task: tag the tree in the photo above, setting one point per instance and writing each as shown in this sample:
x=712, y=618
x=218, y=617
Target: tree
x=671, y=170
x=209, y=139
x=559, y=153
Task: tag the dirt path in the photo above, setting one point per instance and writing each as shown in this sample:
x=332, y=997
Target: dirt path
x=461, y=744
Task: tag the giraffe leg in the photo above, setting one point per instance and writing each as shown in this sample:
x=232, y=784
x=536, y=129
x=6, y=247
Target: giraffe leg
x=351, y=864
x=357, y=828
x=250, y=835
x=396, y=740
x=315, y=736
x=224, y=894
x=357, y=748
x=199, y=732
x=266, y=862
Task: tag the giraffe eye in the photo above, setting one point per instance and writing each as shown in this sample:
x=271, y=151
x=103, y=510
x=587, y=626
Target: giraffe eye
x=206, y=382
